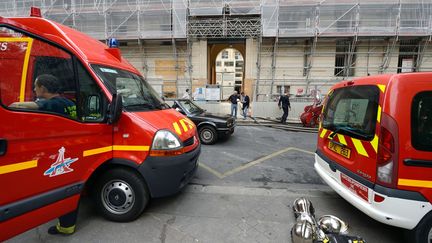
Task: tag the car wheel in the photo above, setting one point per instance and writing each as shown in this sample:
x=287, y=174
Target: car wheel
x=422, y=233
x=120, y=195
x=207, y=135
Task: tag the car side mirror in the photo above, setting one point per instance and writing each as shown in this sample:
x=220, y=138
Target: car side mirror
x=116, y=108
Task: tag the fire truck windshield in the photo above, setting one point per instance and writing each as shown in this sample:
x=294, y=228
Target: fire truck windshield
x=137, y=94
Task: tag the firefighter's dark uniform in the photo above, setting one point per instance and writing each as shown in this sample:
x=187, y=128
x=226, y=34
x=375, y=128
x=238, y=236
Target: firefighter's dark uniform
x=284, y=101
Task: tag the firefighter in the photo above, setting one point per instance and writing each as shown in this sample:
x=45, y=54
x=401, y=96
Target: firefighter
x=66, y=224
x=284, y=103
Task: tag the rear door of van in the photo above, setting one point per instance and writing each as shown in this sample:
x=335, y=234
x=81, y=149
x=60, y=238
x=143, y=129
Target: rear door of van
x=347, y=137
x=45, y=155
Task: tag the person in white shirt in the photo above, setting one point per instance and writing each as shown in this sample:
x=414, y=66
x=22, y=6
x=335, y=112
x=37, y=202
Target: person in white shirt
x=186, y=95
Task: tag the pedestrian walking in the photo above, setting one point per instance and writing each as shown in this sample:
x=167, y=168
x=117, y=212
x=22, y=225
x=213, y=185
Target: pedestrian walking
x=234, y=99
x=186, y=95
x=245, y=100
x=284, y=104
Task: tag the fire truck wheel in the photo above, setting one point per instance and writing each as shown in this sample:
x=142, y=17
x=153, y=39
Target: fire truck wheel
x=422, y=232
x=207, y=135
x=120, y=195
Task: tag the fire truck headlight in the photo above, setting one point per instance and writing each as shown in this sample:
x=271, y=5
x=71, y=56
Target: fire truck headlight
x=165, y=140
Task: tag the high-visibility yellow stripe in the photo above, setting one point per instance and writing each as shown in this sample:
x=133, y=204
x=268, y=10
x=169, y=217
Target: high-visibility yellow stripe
x=323, y=133
x=359, y=147
x=342, y=139
x=65, y=230
x=25, y=64
x=374, y=143
x=130, y=148
x=189, y=122
x=97, y=151
x=185, y=128
x=379, y=114
x=18, y=166
x=382, y=87
x=115, y=148
x=25, y=68
x=416, y=183
x=177, y=128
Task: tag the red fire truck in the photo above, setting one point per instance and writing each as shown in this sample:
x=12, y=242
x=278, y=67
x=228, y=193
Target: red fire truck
x=375, y=148
x=120, y=142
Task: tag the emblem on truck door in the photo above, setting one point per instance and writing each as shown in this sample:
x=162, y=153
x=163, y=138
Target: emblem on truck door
x=61, y=166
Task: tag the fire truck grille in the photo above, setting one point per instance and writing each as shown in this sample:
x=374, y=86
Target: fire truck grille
x=189, y=141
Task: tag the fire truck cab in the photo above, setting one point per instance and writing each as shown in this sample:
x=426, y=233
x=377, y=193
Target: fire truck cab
x=117, y=139
x=375, y=148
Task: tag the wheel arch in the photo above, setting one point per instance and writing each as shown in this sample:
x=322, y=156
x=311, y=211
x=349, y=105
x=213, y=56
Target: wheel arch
x=111, y=164
x=207, y=123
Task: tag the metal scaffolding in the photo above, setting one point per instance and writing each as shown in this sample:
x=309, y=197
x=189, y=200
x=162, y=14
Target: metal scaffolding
x=272, y=24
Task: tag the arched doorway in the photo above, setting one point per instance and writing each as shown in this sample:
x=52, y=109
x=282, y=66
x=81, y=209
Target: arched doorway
x=227, y=67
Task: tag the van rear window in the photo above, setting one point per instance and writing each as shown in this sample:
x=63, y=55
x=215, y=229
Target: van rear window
x=421, y=121
x=352, y=111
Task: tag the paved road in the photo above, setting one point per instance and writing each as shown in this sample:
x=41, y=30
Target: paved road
x=242, y=192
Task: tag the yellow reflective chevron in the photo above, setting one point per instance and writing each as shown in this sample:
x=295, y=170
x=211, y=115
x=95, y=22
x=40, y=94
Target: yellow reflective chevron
x=382, y=87
x=374, y=143
x=359, y=147
x=189, y=122
x=342, y=139
x=323, y=133
x=379, y=114
x=177, y=128
x=185, y=128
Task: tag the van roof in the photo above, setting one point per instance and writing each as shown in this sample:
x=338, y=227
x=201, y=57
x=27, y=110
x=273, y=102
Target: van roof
x=379, y=79
x=89, y=49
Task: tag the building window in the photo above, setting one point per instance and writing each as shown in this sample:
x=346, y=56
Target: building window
x=280, y=89
x=343, y=65
x=238, y=75
x=407, y=56
x=239, y=64
x=218, y=63
x=237, y=55
x=224, y=54
x=229, y=64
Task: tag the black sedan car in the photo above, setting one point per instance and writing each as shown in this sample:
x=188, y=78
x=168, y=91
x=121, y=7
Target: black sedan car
x=210, y=127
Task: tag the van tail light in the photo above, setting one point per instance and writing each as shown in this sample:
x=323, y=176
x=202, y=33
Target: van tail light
x=387, y=159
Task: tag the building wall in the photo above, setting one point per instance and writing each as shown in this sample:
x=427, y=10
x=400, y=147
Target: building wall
x=158, y=63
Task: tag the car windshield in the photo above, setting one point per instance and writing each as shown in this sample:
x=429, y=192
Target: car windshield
x=137, y=94
x=190, y=107
x=352, y=111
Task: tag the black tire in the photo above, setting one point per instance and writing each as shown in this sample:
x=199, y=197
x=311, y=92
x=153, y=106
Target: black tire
x=120, y=195
x=422, y=233
x=207, y=135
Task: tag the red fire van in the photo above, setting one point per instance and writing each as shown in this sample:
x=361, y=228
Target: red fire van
x=375, y=148
x=118, y=140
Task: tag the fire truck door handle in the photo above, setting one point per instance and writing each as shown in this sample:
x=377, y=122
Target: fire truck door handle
x=3, y=146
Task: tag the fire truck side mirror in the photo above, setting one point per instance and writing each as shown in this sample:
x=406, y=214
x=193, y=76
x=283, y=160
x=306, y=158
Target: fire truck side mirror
x=116, y=108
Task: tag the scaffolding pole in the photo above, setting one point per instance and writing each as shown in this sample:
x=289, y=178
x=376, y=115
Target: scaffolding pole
x=387, y=56
x=176, y=66
x=258, y=66
x=353, y=45
x=309, y=62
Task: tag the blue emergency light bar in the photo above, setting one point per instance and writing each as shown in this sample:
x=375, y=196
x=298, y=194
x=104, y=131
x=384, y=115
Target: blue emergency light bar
x=113, y=43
